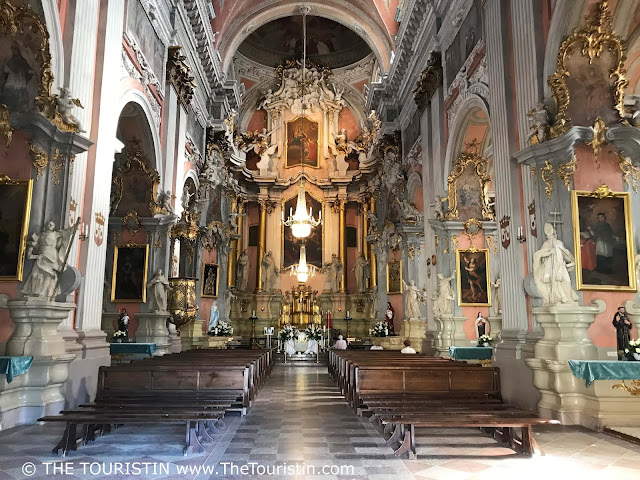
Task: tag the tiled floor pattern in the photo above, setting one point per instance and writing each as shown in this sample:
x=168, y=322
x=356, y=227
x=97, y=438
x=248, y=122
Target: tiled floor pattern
x=301, y=421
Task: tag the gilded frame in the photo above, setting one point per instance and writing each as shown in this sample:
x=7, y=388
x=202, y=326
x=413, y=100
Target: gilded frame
x=282, y=204
x=286, y=142
x=480, y=167
x=601, y=193
x=24, y=227
x=589, y=40
x=397, y=264
x=487, y=276
x=204, y=271
x=136, y=159
x=114, y=277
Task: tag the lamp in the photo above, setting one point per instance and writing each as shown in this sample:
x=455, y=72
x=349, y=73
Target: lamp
x=302, y=221
x=302, y=270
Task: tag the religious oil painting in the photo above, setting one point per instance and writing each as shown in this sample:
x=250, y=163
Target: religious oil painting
x=130, y=274
x=15, y=209
x=470, y=194
x=394, y=277
x=603, y=241
x=473, y=277
x=210, y=276
x=291, y=244
x=133, y=191
x=302, y=143
x=20, y=77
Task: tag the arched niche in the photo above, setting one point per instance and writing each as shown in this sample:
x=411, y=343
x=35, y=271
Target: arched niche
x=56, y=47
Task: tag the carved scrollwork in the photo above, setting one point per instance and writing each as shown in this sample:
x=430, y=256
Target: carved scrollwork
x=39, y=158
x=430, y=80
x=131, y=221
x=480, y=167
x=179, y=75
x=57, y=165
x=6, y=132
x=630, y=171
x=547, y=172
x=565, y=172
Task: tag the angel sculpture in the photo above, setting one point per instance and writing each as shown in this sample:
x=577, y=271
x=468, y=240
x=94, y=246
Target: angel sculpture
x=233, y=220
x=409, y=212
x=164, y=200
x=260, y=145
x=65, y=105
x=186, y=197
x=539, y=119
x=438, y=207
x=373, y=222
x=413, y=296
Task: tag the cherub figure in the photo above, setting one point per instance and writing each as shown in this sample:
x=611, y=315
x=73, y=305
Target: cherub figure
x=65, y=105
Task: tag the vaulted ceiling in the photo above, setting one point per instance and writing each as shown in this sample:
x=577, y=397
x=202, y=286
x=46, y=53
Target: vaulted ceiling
x=372, y=20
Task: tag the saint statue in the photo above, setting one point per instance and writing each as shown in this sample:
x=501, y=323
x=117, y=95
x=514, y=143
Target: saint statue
x=551, y=265
x=242, y=271
x=389, y=315
x=229, y=298
x=65, y=105
x=123, y=322
x=362, y=271
x=497, y=296
x=49, y=250
x=375, y=304
x=623, y=330
x=333, y=273
x=539, y=120
x=482, y=326
x=443, y=299
x=269, y=272
x=213, y=315
x=412, y=298
x=157, y=289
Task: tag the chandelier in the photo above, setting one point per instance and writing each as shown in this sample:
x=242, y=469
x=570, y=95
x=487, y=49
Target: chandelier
x=303, y=271
x=302, y=221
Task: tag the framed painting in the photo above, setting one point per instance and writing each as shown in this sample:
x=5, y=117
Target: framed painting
x=468, y=189
x=302, y=143
x=210, y=277
x=15, y=210
x=603, y=240
x=394, y=277
x=473, y=277
x=130, y=264
x=291, y=244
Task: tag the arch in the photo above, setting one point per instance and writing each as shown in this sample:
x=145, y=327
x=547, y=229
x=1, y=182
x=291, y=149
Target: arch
x=414, y=182
x=56, y=47
x=135, y=96
x=459, y=129
x=253, y=18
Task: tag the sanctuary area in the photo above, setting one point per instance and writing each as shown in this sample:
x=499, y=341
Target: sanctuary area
x=327, y=238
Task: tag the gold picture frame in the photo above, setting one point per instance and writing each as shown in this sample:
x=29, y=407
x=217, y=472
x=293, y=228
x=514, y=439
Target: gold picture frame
x=207, y=290
x=15, y=213
x=473, y=274
x=480, y=169
x=600, y=221
x=317, y=140
x=130, y=265
x=394, y=277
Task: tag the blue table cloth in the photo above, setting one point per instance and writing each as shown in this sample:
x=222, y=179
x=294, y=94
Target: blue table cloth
x=132, y=348
x=14, y=366
x=592, y=370
x=471, y=353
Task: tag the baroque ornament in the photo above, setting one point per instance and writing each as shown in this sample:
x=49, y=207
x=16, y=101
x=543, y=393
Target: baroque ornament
x=6, y=132
x=547, y=172
x=179, y=75
x=479, y=166
x=430, y=80
x=565, y=172
x=630, y=171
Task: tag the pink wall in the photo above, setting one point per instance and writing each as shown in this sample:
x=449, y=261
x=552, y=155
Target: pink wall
x=258, y=121
x=348, y=121
x=588, y=176
x=253, y=215
x=471, y=312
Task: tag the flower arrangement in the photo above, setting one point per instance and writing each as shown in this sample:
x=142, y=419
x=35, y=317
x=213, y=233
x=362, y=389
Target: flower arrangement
x=484, y=341
x=313, y=332
x=220, y=329
x=633, y=352
x=380, y=329
x=288, y=332
x=120, y=336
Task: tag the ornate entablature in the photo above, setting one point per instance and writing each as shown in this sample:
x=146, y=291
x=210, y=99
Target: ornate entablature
x=179, y=75
x=430, y=80
x=466, y=85
x=390, y=176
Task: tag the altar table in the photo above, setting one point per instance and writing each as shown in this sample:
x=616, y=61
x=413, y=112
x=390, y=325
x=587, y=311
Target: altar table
x=591, y=370
x=132, y=348
x=14, y=366
x=470, y=353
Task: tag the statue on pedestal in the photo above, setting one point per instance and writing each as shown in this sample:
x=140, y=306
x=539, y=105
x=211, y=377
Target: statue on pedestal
x=483, y=327
x=157, y=290
x=497, y=295
x=214, y=314
x=49, y=250
x=123, y=322
x=242, y=271
x=623, y=330
x=412, y=298
x=443, y=299
x=551, y=265
x=65, y=105
x=229, y=298
x=269, y=272
x=362, y=271
x=333, y=273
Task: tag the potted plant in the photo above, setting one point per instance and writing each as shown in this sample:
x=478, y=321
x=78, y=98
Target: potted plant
x=633, y=352
x=484, y=341
x=380, y=329
x=220, y=329
x=288, y=332
x=120, y=336
x=313, y=332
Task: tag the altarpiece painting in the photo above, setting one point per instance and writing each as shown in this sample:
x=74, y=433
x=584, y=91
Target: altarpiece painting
x=15, y=210
x=210, y=277
x=302, y=143
x=130, y=274
x=473, y=277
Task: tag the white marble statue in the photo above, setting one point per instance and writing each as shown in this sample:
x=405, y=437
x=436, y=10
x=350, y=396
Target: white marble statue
x=242, y=271
x=157, y=292
x=443, y=299
x=409, y=212
x=269, y=272
x=233, y=220
x=214, y=315
x=497, y=295
x=186, y=197
x=373, y=222
x=375, y=304
x=333, y=273
x=259, y=141
x=362, y=271
x=438, y=207
x=539, y=119
x=412, y=298
x=65, y=105
x=229, y=298
x=551, y=265
x=164, y=200
x=49, y=250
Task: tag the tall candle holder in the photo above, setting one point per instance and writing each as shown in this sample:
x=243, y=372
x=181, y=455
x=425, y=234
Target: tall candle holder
x=348, y=319
x=253, y=319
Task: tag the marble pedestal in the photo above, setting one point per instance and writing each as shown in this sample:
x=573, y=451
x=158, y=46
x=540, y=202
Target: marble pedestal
x=39, y=391
x=192, y=336
x=450, y=333
x=109, y=319
x=175, y=344
x=563, y=396
x=496, y=327
x=415, y=331
x=152, y=328
x=217, y=342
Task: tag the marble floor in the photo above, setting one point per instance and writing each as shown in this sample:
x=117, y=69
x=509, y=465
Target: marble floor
x=301, y=425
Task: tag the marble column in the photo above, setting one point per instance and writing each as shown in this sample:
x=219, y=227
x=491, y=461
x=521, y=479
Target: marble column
x=343, y=245
x=262, y=243
x=372, y=254
x=233, y=253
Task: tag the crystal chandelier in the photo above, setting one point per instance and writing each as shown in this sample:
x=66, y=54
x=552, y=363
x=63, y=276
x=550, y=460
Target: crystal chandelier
x=302, y=270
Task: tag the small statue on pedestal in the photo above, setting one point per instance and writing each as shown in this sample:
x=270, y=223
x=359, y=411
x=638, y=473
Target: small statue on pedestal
x=623, y=330
x=158, y=287
x=123, y=326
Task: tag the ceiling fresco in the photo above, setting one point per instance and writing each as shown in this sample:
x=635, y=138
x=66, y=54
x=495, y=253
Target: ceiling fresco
x=328, y=43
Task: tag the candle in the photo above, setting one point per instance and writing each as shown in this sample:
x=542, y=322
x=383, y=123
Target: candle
x=347, y=313
x=253, y=314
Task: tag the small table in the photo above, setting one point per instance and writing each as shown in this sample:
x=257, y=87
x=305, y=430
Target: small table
x=591, y=370
x=14, y=366
x=121, y=350
x=483, y=354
